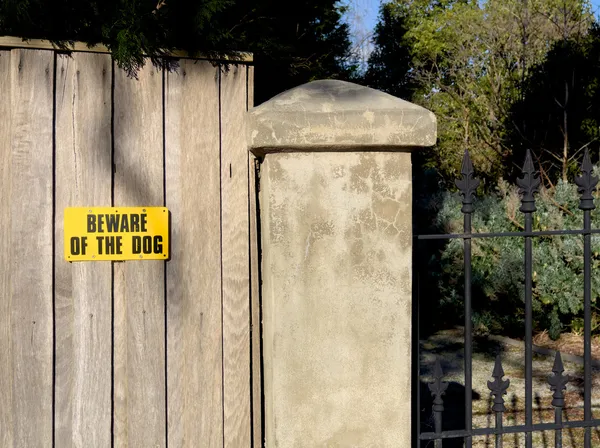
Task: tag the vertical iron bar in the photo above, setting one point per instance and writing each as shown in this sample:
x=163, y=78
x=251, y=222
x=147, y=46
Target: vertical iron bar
x=498, y=387
x=467, y=186
x=586, y=184
x=438, y=389
x=528, y=332
x=499, y=428
x=558, y=432
x=558, y=384
x=417, y=347
x=438, y=428
x=587, y=404
x=468, y=334
x=528, y=186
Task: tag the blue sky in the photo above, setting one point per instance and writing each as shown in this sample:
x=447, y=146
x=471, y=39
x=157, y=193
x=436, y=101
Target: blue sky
x=362, y=17
x=371, y=11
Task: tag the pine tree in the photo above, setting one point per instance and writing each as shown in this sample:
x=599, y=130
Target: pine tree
x=389, y=63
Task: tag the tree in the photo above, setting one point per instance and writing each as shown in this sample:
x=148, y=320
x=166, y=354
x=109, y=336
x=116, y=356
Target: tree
x=469, y=61
x=389, y=63
x=292, y=42
x=558, y=115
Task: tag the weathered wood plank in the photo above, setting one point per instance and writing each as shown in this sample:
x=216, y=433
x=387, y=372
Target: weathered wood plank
x=6, y=352
x=139, y=333
x=82, y=290
x=255, y=322
x=30, y=258
x=194, y=272
x=235, y=256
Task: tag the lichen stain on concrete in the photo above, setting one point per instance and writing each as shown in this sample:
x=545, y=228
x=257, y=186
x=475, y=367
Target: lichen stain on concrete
x=356, y=253
x=364, y=167
x=366, y=218
x=338, y=171
x=353, y=229
x=395, y=169
x=321, y=228
x=386, y=209
x=276, y=172
x=278, y=225
x=379, y=279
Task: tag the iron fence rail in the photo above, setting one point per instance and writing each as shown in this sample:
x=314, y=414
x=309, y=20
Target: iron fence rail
x=510, y=429
x=528, y=186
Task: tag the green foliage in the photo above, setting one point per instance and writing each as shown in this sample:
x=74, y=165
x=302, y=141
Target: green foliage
x=498, y=266
x=292, y=42
x=469, y=60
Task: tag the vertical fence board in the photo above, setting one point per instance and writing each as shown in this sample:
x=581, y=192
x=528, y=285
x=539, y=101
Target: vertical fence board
x=6, y=352
x=255, y=328
x=30, y=296
x=82, y=290
x=194, y=272
x=235, y=256
x=139, y=332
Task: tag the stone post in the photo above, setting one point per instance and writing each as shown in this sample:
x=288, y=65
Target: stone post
x=336, y=232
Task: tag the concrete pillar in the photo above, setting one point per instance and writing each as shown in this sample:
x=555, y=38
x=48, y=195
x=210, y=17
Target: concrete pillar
x=336, y=234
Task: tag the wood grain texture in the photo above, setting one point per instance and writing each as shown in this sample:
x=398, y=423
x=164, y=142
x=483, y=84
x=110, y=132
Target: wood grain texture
x=194, y=272
x=235, y=256
x=139, y=333
x=82, y=290
x=30, y=257
x=6, y=351
x=255, y=314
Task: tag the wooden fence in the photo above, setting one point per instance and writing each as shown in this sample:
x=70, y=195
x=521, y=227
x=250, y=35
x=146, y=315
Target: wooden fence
x=137, y=354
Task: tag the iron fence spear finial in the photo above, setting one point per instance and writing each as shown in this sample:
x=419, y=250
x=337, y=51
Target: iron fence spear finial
x=586, y=183
x=468, y=184
x=529, y=185
x=558, y=382
x=438, y=387
x=498, y=387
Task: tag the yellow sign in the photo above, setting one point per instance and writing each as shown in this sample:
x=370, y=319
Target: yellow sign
x=116, y=233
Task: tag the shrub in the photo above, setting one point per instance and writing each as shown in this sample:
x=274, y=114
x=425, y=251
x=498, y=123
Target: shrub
x=498, y=265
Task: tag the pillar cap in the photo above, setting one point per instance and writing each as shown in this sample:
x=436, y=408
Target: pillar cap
x=332, y=115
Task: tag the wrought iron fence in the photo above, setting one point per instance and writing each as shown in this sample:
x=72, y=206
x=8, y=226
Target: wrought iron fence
x=528, y=185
